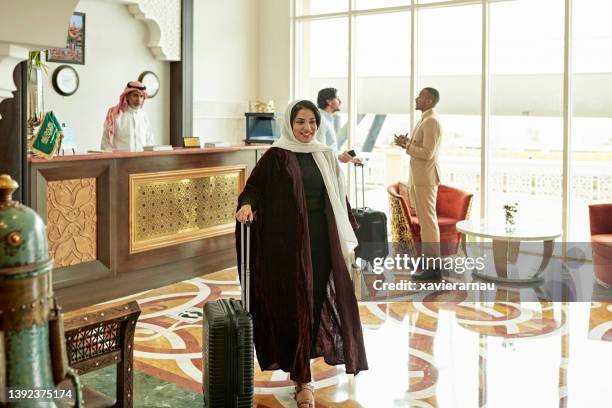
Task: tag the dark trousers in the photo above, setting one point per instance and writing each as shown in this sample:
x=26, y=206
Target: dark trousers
x=321, y=265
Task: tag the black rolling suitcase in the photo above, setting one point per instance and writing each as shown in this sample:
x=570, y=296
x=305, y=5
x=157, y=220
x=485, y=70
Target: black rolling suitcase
x=372, y=233
x=228, y=345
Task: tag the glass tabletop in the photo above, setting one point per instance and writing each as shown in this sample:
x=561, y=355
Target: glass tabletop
x=523, y=232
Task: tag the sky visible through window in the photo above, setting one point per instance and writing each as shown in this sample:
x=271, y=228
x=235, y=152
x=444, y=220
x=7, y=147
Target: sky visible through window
x=592, y=41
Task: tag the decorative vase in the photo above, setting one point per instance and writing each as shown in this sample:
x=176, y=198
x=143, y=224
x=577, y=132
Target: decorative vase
x=510, y=211
x=32, y=342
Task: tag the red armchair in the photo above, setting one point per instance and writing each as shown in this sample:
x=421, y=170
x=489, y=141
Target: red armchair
x=600, y=217
x=452, y=206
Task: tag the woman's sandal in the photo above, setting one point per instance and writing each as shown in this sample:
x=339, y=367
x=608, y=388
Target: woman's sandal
x=305, y=403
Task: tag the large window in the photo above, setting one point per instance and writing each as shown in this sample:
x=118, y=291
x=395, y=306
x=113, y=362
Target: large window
x=453, y=65
x=366, y=47
x=383, y=98
x=321, y=6
x=368, y=4
x=526, y=128
x=322, y=62
x=592, y=112
x=323, y=59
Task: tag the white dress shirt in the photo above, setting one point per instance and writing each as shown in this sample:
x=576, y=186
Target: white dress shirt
x=327, y=132
x=132, y=132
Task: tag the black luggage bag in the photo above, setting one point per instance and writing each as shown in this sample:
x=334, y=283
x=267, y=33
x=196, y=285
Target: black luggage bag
x=228, y=364
x=372, y=233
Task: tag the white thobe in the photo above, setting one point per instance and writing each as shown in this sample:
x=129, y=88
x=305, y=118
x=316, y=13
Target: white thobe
x=132, y=132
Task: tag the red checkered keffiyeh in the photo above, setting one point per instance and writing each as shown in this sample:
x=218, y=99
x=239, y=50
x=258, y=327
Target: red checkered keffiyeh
x=111, y=115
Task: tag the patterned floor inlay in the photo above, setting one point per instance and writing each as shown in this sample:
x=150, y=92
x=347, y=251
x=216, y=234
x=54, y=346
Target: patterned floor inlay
x=434, y=351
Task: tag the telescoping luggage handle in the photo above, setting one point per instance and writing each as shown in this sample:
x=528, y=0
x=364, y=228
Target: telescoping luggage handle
x=362, y=186
x=245, y=273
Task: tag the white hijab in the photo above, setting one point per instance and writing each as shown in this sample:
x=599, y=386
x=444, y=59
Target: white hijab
x=325, y=158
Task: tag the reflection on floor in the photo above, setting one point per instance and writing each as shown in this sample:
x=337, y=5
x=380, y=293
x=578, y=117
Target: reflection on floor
x=433, y=351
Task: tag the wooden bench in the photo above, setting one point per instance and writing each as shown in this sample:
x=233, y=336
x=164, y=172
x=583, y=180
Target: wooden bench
x=100, y=338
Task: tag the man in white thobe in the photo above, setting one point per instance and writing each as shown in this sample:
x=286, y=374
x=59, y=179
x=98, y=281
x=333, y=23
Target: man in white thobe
x=127, y=125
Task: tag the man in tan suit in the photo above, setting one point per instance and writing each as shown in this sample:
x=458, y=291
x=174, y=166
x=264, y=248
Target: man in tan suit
x=423, y=147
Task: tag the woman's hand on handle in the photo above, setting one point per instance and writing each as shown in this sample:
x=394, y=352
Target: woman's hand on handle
x=244, y=214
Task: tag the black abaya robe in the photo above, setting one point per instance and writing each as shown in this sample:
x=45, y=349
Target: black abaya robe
x=282, y=274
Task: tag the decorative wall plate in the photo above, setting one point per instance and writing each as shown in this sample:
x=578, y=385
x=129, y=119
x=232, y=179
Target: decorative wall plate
x=151, y=81
x=65, y=80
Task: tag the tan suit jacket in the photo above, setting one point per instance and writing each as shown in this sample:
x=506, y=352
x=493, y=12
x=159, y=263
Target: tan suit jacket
x=424, y=179
x=423, y=151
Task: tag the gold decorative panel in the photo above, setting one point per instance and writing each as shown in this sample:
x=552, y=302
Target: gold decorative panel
x=72, y=221
x=168, y=208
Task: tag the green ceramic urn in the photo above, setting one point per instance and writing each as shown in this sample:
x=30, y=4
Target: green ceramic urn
x=28, y=336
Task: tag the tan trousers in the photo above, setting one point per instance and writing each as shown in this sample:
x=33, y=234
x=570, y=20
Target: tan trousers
x=423, y=200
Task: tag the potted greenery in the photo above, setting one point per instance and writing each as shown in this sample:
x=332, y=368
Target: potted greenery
x=510, y=211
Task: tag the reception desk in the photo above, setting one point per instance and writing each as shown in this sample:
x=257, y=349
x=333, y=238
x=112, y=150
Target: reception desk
x=123, y=222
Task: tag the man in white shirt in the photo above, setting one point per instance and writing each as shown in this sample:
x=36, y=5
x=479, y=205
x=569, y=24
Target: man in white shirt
x=127, y=125
x=329, y=103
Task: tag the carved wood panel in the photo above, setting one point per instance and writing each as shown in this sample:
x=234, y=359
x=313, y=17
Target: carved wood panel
x=71, y=221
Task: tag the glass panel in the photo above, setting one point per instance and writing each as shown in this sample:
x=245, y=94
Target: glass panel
x=323, y=63
x=434, y=1
x=382, y=53
x=452, y=65
x=592, y=110
x=307, y=7
x=323, y=57
x=526, y=127
x=375, y=4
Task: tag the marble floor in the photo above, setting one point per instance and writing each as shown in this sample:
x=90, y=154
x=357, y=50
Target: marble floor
x=432, y=350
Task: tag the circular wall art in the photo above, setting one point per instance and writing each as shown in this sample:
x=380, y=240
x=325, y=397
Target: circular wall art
x=65, y=80
x=151, y=81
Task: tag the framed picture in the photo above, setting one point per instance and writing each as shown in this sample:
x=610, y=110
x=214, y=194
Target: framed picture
x=74, y=52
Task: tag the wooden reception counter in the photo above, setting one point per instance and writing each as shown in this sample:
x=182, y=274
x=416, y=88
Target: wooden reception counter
x=123, y=222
